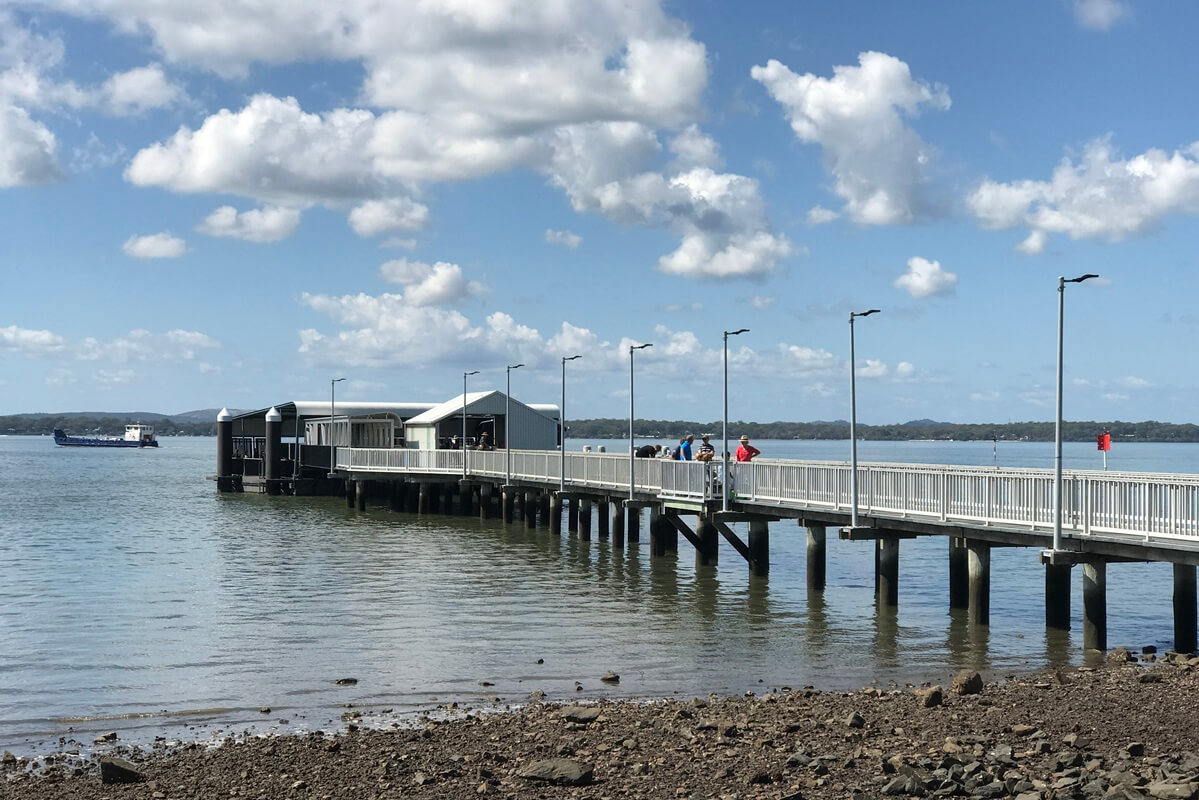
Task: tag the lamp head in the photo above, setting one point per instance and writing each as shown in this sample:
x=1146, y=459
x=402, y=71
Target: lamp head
x=472, y=372
x=337, y=380
x=570, y=358
x=863, y=313
x=515, y=366
x=633, y=347
x=1082, y=278
x=734, y=333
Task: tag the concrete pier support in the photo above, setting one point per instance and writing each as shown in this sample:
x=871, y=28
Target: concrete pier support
x=422, y=498
x=555, y=513
x=572, y=516
x=886, y=576
x=466, y=499
x=434, y=498
x=412, y=497
x=979, y=568
x=1094, y=605
x=759, y=547
x=395, y=496
x=633, y=524
x=959, y=573
x=360, y=488
x=351, y=491
x=817, y=550
x=543, y=508
x=486, y=501
x=1057, y=596
x=708, y=552
x=1184, y=608
x=508, y=503
x=663, y=536
x=601, y=517
x=616, y=513
x=585, y=520
x=528, y=509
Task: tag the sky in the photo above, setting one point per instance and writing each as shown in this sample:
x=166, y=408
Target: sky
x=230, y=204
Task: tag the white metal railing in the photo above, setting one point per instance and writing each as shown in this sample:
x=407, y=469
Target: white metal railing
x=1145, y=506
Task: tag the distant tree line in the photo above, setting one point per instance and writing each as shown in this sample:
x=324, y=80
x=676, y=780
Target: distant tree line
x=1150, y=431
x=44, y=424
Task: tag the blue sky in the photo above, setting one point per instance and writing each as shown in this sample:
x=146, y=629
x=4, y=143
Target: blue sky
x=203, y=207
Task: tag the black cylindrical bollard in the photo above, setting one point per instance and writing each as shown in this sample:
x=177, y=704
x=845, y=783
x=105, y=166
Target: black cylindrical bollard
x=224, y=451
x=272, y=452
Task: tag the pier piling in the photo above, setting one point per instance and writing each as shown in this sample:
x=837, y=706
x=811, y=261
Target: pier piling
x=601, y=517
x=555, y=513
x=979, y=568
x=633, y=526
x=959, y=573
x=708, y=552
x=272, y=452
x=759, y=547
x=360, y=495
x=1094, y=605
x=528, y=509
x=225, y=465
x=1057, y=596
x=572, y=516
x=508, y=502
x=485, y=500
x=1184, y=608
x=816, y=557
x=585, y=520
x=886, y=579
x=616, y=514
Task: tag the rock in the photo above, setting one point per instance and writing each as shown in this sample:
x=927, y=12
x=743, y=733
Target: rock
x=610, y=677
x=537, y=694
x=968, y=682
x=855, y=720
x=1135, y=749
x=1075, y=740
x=118, y=770
x=264, y=710
x=1023, y=730
x=1120, y=656
x=561, y=771
x=1149, y=649
x=904, y=784
x=1164, y=790
x=1149, y=677
x=8, y=759
x=930, y=697
x=581, y=714
x=346, y=681
x=111, y=736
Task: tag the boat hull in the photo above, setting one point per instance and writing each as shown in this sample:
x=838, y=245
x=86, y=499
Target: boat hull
x=62, y=440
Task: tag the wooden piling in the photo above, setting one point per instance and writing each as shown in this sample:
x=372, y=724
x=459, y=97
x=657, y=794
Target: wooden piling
x=555, y=513
x=816, y=557
x=633, y=524
x=528, y=509
x=663, y=538
x=616, y=512
x=959, y=573
x=360, y=488
x=508, y=503
x=887, y=570
x=543, y=508
x=1184, y=608
x=759, y=547
x=422, y=498
x=351, y=489
x=979, y=569
x=485, y=500
x=1094, y=605
x=601, y=517
x=1057, y=596
x=585, y=520
x=572, y=516
x=708, y=552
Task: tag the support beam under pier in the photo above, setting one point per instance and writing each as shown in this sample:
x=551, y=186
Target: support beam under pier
x=360, y=488
x=1184, y=608
x=663, y=536
x=759, y=547
x=529, y=504
x=886, y=566
x=959, y=573
x=555, y=513
x=816, y=557
x=585, y=520
x=1057, y=596
x=485, y=500
x=616, y=518
x=572, y=517
x=508, y=502
x=1094, y=605
x=601, y=517
x=979, y=567
x=633, y=523
x=707, y=546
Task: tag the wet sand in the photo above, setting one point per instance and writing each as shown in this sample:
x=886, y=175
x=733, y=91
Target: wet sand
x=1125, y=730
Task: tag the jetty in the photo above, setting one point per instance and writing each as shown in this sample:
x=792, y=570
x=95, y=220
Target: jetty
x=1108, y=517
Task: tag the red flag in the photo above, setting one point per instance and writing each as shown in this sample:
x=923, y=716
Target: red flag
x=1105, y=441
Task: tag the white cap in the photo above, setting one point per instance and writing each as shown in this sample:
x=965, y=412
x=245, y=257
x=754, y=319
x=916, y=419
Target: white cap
x=273, y=415
x=224, y=416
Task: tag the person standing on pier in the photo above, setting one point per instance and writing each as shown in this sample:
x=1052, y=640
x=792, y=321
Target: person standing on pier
x=685, y=447
x=706, y=451
x=747, y=451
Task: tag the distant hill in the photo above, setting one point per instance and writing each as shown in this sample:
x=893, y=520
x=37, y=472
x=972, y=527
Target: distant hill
x=203, y=415
x=110, y=423
x=925, y=422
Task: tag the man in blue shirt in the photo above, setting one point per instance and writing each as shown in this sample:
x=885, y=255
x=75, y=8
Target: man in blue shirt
x=685, y=448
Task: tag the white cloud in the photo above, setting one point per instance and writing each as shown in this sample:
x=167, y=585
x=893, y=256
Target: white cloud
x=138, y=90
x=107, y=377
x=392, y=214
x=155, y=245
x=819, y=215
x=989, y=396
x=1133, y=382
x=397, y=243
x=567, y=239
x=261, y=225
x=879, y=164
x=430, y=284
x=926, y=278
x=872, y=368
x=1115, y=397
x=1099, y=15
x=1101, y=196
x=761, y=302
x=27, y=150
x=693, y=148
x=144, y=345
x=30, y=341
x=905, y=370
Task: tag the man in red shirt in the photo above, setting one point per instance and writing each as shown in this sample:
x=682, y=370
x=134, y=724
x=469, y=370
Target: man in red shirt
x=746, y=451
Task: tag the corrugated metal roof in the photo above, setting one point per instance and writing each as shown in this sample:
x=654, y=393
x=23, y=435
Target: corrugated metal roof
x=320, y=408
x=491, y=402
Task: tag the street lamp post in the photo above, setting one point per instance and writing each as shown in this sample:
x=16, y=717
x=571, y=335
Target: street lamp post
x=724, y=474
x=507, y=420
x=562, y=428
x=632, y=454
x=853, y=421
x=1057, y=430
x=464, y=447
x=332, y=414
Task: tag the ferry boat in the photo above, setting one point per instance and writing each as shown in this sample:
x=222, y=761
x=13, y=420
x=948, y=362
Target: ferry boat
x=135, y=436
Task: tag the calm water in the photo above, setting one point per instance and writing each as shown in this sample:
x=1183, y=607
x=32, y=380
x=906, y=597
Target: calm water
x=134, y=598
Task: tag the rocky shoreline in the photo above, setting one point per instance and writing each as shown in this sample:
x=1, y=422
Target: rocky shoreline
x=1123, y=731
